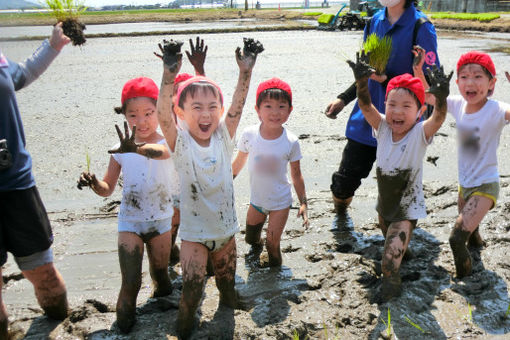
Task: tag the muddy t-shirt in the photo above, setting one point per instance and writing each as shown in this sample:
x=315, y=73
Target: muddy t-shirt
x=478, y=140
x=13, y=77
x=268, y=160
x=399, y=173
x=148, y=187
x=207, y=187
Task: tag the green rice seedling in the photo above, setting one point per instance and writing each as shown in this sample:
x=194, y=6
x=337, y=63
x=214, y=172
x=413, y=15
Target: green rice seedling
x=67, y=12
x=470, y=313
x=415, y=325
x=295, y=335
x=388, y=324
x=87, y=157
x=380, y=51
x=507, y=311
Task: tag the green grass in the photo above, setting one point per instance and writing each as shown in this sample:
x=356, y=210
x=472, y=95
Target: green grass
x=325, y=18
x=380, y=50
x=312, y=14
x=483, y=17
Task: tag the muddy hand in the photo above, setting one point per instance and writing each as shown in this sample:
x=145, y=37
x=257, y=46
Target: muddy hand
x=127, y=144
x=361, y=68
x=87, y=179
x=419, y=56
x=303, y=212
x=246, y=59
x=170, y=54
x=197, y=55
x=439, y=82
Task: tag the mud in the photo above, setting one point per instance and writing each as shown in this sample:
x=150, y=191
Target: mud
x=331, y=274
x=74, y=30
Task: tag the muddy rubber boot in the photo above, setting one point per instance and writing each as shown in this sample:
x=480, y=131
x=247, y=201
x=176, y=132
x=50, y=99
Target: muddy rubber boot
x=475, y=240
x=341, y=205
x=461, y=256
x=391, y=287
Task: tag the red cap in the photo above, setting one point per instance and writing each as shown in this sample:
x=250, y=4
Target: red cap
x=139, y=87
x=274, y=83
x=480, y=58
x=409, y=82
x=182, y=77
x=196, y=79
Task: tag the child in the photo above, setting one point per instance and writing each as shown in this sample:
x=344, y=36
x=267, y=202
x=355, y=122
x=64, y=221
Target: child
x=402, y=141
x=203, y=150
x=479, y=122
x=271, y=148
x=146, y=209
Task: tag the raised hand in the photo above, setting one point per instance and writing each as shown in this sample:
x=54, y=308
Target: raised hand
x=171, y=54
x=246, y=59
x=361, y=68
x=439, y=82
x=197, y=55
x=127, y=144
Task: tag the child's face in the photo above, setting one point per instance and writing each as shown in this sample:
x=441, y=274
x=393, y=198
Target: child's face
x=273, y=113
x=202, y=114
x=141, y=111
x=402, y=111
x=474, y=84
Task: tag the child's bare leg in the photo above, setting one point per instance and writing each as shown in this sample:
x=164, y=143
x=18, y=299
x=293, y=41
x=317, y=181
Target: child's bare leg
x=397, y=239
x=158, y=251
x=384, y=229
x=174, y=250
x=4, y=321
x=254, y=223
x=475, y=240
x=472, y=214
x=193, y=261
x=276, y=224
x=130, y=259
x=224, y=261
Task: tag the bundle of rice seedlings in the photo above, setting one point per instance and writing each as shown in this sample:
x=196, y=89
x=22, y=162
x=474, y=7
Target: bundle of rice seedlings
x=67, y=12
x=380, y=51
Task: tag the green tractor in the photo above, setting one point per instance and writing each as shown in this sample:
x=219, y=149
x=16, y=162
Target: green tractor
x=352, y=20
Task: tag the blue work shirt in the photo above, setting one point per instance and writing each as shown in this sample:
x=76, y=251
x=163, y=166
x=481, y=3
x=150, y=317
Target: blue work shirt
x=400, y=62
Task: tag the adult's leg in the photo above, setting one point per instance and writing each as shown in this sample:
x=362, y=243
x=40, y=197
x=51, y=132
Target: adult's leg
x=50, y=290
x=472, y=214
x=356, y=163
x=254, y=223
x=193, y=261
x=397, y=239
x=4, y=321
x=277, y=221
x=158, y=251
x=224, y=261
x=130, y=259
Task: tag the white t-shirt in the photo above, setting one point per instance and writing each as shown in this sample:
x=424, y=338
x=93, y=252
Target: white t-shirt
x=267, y=163
x=478, y=140
x=148, y=187
x=399, y=173
x=207, y=188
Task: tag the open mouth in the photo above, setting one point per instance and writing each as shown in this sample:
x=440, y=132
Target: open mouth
x=398, y=122
x=470, y=93
x=204, y=127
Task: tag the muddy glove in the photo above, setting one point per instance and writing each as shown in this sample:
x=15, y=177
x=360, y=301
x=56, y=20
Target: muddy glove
x=361, y=69
x=171, y=53
x=439, y=83
x=5, y=156
x=127, y=144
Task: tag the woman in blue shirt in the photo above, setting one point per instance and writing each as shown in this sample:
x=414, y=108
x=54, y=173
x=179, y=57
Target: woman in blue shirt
x=398, y=20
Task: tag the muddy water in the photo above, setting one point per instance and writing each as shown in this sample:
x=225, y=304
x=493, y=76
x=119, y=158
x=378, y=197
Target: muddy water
x=331, y=272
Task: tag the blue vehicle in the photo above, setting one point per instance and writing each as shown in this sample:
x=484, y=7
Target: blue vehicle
x=352, y=20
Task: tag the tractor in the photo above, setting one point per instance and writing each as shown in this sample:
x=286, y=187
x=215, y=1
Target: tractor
x=350, y=20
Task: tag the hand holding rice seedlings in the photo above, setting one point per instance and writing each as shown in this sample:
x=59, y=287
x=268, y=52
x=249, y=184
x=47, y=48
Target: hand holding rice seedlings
x=67, y=12
x=379, y=50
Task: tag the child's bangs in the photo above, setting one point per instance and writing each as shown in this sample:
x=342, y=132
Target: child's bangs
x=418, y=104
x=276, y=94
x=198, y=87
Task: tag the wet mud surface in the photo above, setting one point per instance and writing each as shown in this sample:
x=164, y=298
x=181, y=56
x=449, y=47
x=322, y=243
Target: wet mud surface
x=331, y=274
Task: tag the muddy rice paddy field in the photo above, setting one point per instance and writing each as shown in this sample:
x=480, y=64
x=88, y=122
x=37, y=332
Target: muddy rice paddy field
x=331, y=274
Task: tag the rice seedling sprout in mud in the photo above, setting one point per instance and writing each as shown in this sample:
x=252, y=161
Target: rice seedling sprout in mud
x=87, y=157
x=379, y=50
x=326, y=335
x=295, y=336
x=415, y=325
x=67, y=12
x=507, y=311
x=388, y=324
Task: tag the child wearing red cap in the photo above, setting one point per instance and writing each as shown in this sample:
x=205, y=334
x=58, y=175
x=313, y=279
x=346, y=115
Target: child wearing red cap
x=269, y=148
x=202, y=150
x=402, y=140
x=479, y=121
x=149, y=183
